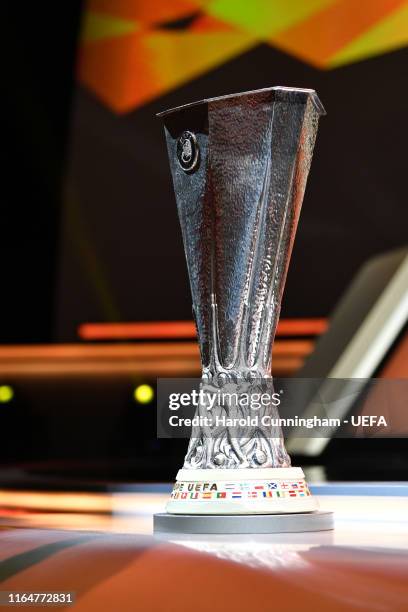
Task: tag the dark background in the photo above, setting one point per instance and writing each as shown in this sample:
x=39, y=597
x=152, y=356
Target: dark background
x=76, y=174
x=40, y=43
x=120, y=197
x=89, y=229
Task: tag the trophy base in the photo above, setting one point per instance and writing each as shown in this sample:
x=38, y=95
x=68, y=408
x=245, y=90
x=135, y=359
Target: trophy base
x=244, y=523
x=241, y=491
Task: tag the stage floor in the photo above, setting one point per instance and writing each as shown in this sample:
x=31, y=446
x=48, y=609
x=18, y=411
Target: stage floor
x=101, y=546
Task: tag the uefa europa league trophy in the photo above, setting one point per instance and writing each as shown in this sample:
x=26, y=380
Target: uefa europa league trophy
x=239, y=165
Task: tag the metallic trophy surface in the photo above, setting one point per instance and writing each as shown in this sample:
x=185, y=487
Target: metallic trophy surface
x=239, y=165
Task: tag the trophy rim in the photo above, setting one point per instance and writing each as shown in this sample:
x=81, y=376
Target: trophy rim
x=314, y=97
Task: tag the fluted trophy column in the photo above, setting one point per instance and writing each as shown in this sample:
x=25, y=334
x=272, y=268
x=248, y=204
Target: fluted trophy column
x=239, y=165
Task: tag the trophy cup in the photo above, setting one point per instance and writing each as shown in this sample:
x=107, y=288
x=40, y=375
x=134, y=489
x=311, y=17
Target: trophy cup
x=239, y=165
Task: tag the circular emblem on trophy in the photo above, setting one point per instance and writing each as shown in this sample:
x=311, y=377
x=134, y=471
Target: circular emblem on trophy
x=187, y=151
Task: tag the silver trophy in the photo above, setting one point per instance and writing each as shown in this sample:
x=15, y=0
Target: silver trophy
x=239, y=165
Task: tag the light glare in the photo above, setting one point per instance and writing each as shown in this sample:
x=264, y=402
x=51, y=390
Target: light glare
x=143, y=394
x=6, y=394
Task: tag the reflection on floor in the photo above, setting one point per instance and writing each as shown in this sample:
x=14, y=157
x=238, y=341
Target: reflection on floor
x=102, y=547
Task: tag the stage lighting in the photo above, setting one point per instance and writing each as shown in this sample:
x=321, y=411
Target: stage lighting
x=143, y=394
x=6, y=394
